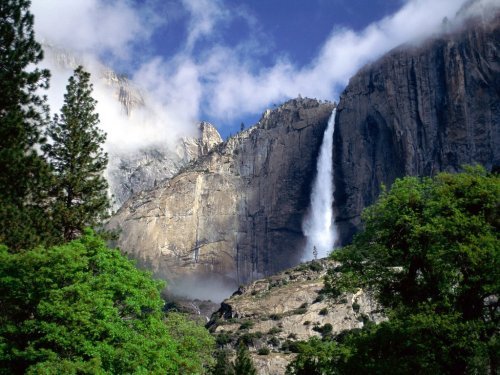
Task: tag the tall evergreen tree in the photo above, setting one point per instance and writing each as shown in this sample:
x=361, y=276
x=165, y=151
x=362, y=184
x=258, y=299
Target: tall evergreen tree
x=243, y=364
x=22, y=114
x=78, y=160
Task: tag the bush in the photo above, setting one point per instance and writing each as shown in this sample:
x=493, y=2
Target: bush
x=323, y=311
x=223, y=339
x=263, y=351
x=83, y=307
x=291, y=346
x=247, y=339
x=315, y=266
x=319, y=298
x=274, y=330
x=246, y=324
x=274, y=341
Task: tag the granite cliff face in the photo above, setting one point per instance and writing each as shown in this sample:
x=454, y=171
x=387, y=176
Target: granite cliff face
x=131, y=173
x=417, y=111
x=235, y=214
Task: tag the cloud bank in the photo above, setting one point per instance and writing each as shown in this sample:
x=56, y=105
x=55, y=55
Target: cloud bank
x=206, y=77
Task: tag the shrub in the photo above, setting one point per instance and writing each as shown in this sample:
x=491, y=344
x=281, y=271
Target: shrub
x=274, y=330
x=263, y=351
x=274, y=341
x=246, y=325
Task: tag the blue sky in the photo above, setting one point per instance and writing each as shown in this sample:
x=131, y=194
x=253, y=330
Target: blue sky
x=226, y=61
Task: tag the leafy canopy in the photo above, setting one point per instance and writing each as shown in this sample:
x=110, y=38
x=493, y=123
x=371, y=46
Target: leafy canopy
x=83, y=308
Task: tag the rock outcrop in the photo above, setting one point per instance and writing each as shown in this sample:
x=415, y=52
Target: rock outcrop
x=419, y=110
x=235, y=214
x=277, y=312
x=130, y=173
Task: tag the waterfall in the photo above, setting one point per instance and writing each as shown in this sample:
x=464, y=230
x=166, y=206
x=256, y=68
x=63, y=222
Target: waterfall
x=318, y=225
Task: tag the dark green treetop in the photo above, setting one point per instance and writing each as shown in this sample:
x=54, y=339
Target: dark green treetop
x=78, y=160
x=23, y=173
x=243, y=364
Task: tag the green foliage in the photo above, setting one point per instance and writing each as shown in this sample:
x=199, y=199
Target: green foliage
x=222, y=365
x=317, y=357
x=291, y=346
x=274, y=341
x=83, y=308
x=263, y=351
x=80, y=190
x=223, y=338
x=274, y=331
x=429, y=240
x=315, y=266
x=247, y=324
x=430, y=252
x=24, y=175
x=243, y=364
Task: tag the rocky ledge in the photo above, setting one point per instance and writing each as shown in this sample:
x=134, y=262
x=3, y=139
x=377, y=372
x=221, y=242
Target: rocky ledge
x=271, y=315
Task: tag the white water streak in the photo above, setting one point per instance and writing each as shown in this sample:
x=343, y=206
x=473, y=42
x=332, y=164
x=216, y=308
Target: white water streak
x=318, y=226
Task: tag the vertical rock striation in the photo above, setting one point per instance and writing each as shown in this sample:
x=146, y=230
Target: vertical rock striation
x=234, y=214
x=132, y=172
x=417, y=111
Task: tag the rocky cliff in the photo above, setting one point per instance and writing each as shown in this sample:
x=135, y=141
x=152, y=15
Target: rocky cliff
x=130, y=173
x=419, y=110
x=277, y=312
x=234, y=214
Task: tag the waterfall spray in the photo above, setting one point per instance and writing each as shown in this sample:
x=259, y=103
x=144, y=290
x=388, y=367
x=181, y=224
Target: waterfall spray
x=318, y=226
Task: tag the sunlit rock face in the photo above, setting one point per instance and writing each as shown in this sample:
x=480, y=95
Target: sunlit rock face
x=132, y=172
x=286, y=308
x=234, y=214
x=417, y=111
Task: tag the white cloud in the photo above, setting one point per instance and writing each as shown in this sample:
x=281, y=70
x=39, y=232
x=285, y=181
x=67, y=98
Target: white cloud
x=209, y=78
x=92, y=26
x=237, y=90
x=204, y=17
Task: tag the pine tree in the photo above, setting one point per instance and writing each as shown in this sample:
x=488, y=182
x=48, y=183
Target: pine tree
x=222, y=364
x=23, y=112
x=243, y=364
x=78, y=160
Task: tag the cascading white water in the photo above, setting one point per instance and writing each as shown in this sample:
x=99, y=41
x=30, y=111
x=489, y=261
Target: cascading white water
x=318, y=226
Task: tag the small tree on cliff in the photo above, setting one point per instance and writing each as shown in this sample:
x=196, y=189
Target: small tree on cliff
x=78, y=160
